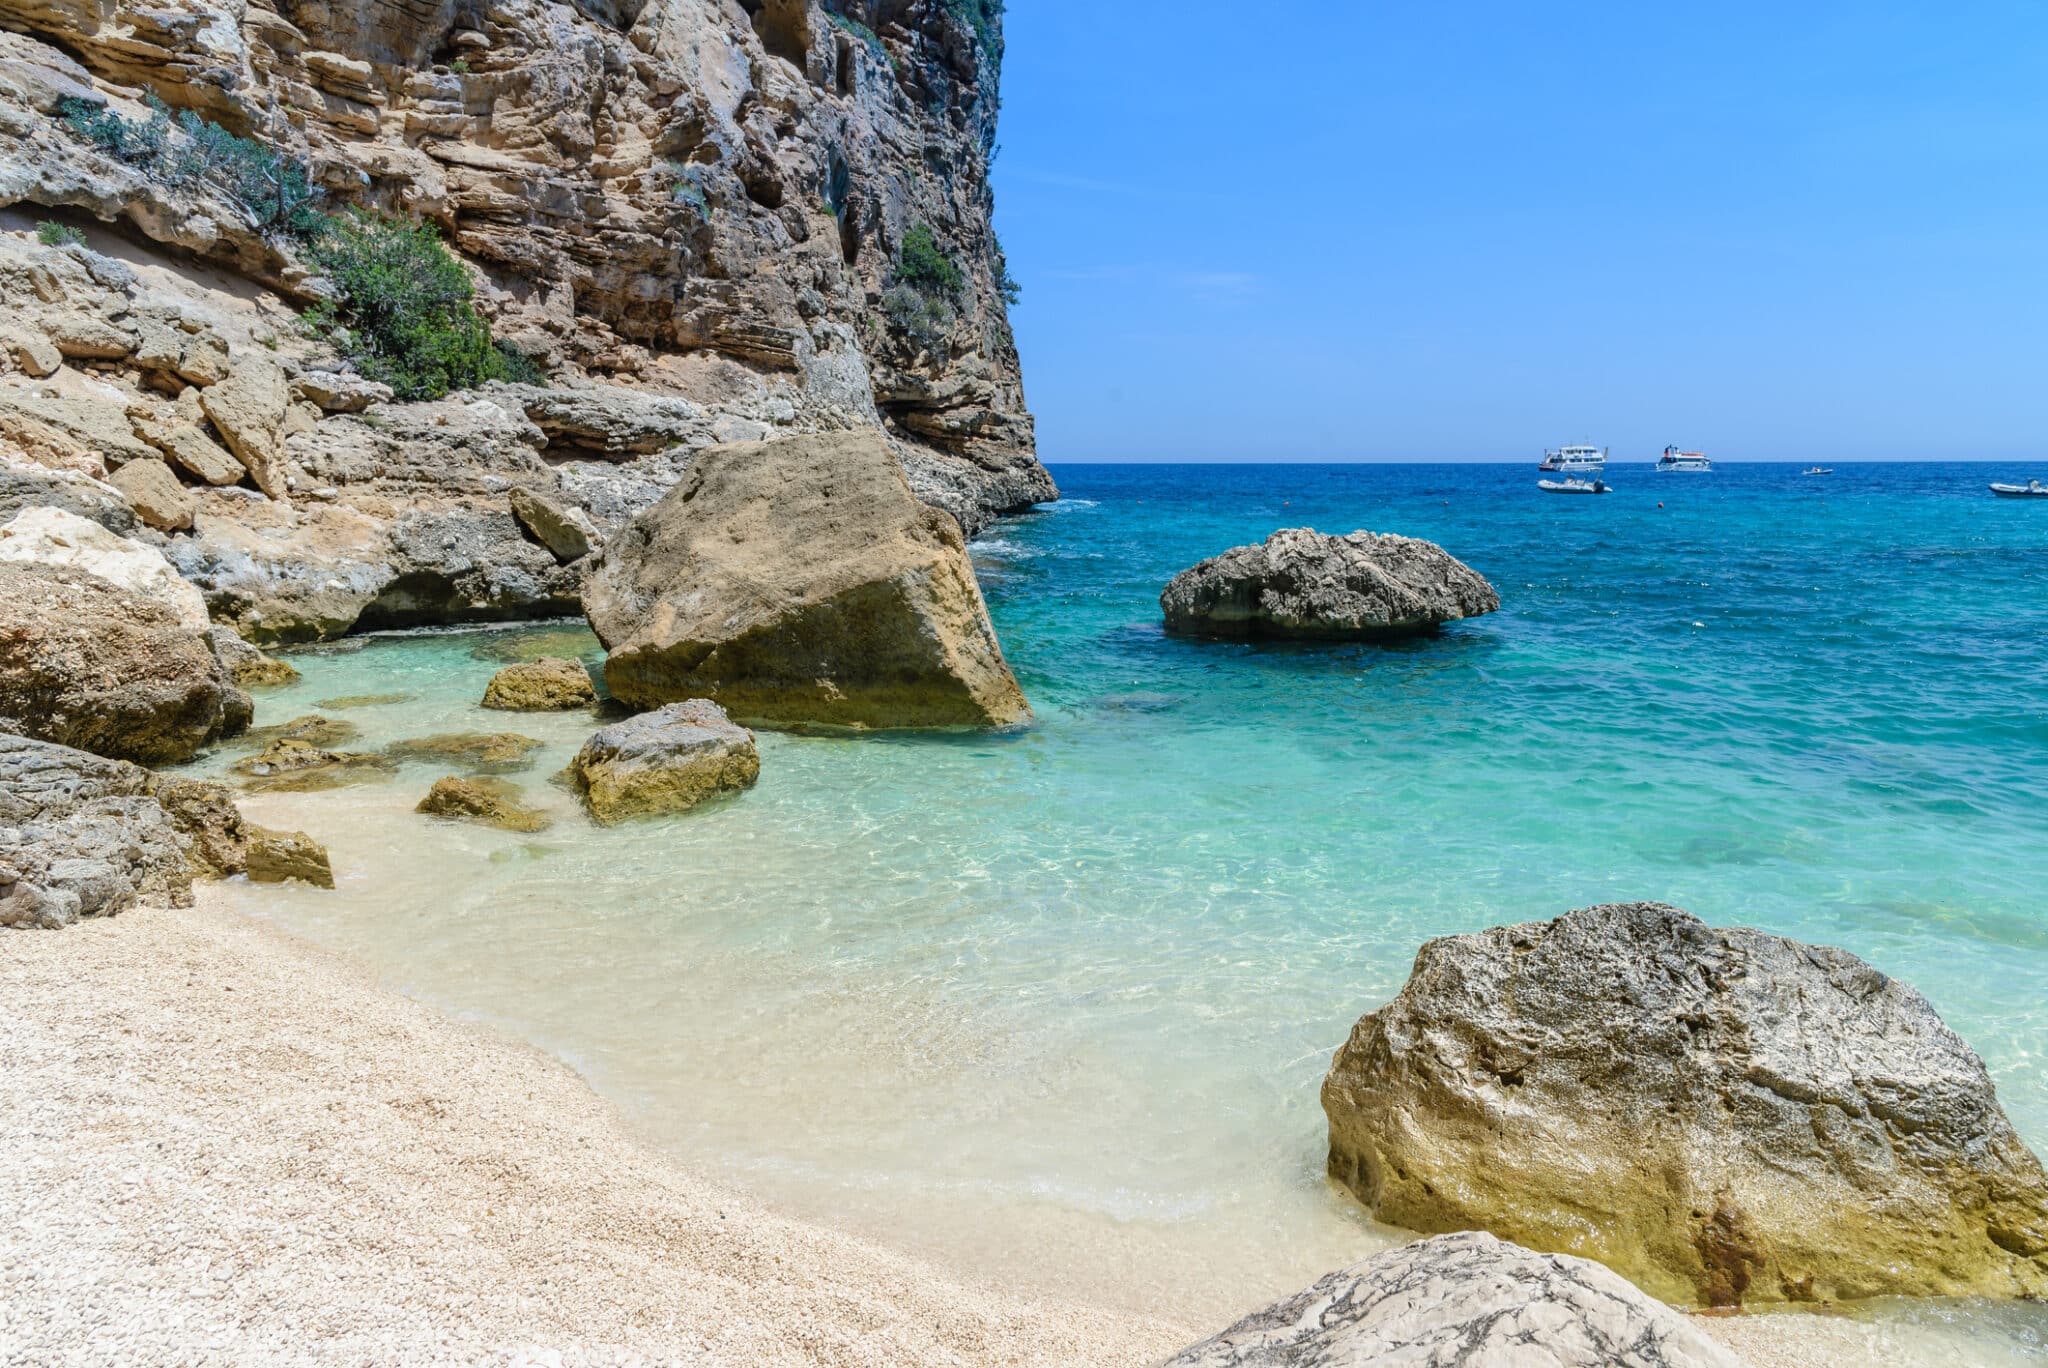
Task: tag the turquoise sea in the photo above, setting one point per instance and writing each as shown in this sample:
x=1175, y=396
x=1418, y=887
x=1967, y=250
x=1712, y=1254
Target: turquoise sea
x=1064, y=997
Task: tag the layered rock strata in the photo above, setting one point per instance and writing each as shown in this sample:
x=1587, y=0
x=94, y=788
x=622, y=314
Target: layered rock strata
x=1722, y=1116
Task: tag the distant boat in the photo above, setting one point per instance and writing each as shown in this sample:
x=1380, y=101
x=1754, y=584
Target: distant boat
x=1582, y=457
x=1573, y=486
x=1818, y=470
x=2032, y=489
x=1693, y=462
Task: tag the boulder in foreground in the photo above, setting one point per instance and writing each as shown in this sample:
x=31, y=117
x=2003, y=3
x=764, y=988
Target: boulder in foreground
x=800, y=581
x=80, y=836
x=1463, y=1301
x=668, y=760
x=1302, y=583
x=549, y=684
x=1722, y=1116
x=86, y=663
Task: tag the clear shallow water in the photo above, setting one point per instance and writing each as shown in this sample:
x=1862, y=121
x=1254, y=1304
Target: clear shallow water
x=1057, y=1004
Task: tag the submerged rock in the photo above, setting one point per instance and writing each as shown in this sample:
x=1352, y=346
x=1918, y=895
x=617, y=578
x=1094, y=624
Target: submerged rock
x=545, y=685
x=289, y=765
x=313, y=729
x=669, y=760
x=799, y=581
x=569, y=643
x=491, y=802
x=284, y=856
x=80, y=836
x=86, y=663
x=1722, y=1116
x=1302, y=583
x=1463, y=1301
x=483, y=752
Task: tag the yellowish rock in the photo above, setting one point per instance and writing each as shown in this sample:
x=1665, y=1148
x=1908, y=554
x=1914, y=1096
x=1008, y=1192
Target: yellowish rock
x=665, y=761
x=285, y=856
x=491, y=802
x=549, y=684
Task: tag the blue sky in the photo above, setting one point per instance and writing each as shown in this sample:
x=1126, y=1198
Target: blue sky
x=1443, y=231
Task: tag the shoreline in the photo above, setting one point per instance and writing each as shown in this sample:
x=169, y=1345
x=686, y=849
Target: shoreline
x=236, y=1143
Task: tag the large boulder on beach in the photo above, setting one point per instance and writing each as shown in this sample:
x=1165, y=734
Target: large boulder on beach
x=1302, y=583
x=81, y=836
x=1463, y=1301
x=1722, y=1116
x=87, y=663
x=800, y=581
x=668, y=760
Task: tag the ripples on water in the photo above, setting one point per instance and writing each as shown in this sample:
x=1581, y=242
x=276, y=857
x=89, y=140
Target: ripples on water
x=1069, y=993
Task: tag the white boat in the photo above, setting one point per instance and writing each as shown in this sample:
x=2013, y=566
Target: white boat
x=1819, y=470
x=2032, y=489
x=1684, y=461
x=1568, y=458
x=1573, y=486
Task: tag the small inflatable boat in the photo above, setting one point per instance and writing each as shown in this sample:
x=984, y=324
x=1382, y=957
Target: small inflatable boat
x=2032, y=489
x=1573, y=486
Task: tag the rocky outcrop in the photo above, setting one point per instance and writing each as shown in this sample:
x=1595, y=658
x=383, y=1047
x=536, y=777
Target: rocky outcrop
x=80, y=836
x=155, y=494
x=287, y=857
x=88, y=664
x=1722, y=1116
x=1301, y=583
x=53, y=537
x=709, y=199
x=799, y=581
x=1463, y=1301
x=665, y=761
x=565, y=530
x=488, y=802
x=206, y=813
x=549, y=684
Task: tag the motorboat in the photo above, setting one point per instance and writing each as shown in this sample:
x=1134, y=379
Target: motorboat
x=1818, y=470
x=1693, y=462
x=1594, y=486
x=2032, y=489
x=1575, y=458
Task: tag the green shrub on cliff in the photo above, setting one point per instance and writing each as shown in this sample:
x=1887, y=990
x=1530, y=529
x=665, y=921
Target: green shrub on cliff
x=985, y=18
x=54, y=234
x=269, y=185
x=924, y=266
x=404, y=309
x=923, y=318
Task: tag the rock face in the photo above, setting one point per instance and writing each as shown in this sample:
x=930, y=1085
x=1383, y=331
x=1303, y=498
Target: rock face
x=490, y=802
x=251, y=668
x=711, y=199
x=1722, y=1116
x=800, y=581
x=1301, y=583
x=85, y=663
x=549, y=684
x=669, y=760
x=564, y=530
x=1463, y=1301
x=80, y=836
x=207, y=814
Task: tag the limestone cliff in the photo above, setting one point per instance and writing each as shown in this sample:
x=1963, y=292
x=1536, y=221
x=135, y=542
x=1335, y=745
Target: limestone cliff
x=704, y=200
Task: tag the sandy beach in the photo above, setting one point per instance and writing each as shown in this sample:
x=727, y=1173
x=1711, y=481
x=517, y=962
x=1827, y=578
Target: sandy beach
x=229, y=1146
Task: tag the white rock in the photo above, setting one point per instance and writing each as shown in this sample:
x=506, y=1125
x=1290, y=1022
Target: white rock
x=51, y=536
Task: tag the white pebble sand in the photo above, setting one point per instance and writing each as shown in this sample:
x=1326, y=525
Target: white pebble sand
x=226, y=1146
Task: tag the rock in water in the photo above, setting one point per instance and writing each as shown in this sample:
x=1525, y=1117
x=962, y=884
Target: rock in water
x=483, y=752
x=1463, y=1301
x=294, y=766
x=283, y=856
x=800, y=581
x=1722, y=1116
x=549, y=684
x=668, y=760
x=88, y=664
x=491, y=802
x=1301, y=583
